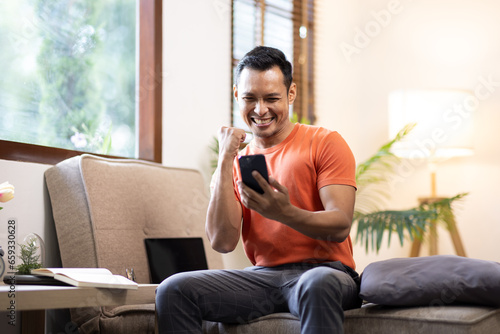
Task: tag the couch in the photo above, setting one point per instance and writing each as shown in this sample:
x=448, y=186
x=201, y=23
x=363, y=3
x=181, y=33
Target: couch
x=104, y=208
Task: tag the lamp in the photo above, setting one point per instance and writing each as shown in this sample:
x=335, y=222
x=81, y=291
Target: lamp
x=444, y=129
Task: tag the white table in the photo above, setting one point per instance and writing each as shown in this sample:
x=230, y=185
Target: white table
x=33, y=300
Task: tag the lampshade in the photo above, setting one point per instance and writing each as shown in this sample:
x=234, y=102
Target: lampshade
x=444, y=123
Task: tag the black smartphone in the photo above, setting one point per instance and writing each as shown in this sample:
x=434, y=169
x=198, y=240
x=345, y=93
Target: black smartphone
x=249, y=163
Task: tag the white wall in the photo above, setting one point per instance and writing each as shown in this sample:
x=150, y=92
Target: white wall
x=421, y=44
x=30, y=208
x=197, y=79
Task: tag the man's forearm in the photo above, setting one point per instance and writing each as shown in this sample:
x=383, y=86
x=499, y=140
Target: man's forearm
x=224, y=212
x=332, y=225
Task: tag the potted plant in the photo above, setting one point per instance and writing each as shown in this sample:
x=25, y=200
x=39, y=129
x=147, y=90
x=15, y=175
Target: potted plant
x=29, y=256
x=372, y=223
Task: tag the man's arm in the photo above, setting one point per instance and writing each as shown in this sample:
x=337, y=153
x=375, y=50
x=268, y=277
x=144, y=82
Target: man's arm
x=334, y=223
x=223, y=223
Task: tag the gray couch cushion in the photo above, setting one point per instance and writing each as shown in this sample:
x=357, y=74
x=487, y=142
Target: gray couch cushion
x=128, y=319
x=278, y=323
x=457, y=319
x=376, y=319
x=130, y=200
x=432, y=281
x=71, y=214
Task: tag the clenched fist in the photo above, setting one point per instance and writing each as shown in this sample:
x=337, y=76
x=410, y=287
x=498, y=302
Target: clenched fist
x=229, y=142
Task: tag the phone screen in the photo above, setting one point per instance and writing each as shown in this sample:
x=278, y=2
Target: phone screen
x=249, y=163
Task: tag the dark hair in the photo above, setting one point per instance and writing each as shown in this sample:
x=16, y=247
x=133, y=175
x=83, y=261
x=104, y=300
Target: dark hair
x=263, y=58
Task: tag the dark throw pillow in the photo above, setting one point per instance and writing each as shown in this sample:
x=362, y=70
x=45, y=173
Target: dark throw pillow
x=432, y=281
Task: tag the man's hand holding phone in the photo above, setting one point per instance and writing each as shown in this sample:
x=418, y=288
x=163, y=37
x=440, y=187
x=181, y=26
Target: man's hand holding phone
x=249, y=163
x=272, y=200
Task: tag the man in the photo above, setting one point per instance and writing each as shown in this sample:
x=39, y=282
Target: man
x=296, y=233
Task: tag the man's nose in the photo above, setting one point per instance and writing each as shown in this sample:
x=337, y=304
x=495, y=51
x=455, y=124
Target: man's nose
x=260, y=107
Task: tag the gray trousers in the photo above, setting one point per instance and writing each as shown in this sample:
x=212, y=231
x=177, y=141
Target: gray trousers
x=317, y=294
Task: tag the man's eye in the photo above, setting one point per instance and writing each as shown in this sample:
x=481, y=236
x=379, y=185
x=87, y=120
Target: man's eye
x=248, y=99
x=273, y=99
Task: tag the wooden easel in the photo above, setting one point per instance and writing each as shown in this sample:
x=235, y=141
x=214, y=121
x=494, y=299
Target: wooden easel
x=433, y=246
x=452, y=228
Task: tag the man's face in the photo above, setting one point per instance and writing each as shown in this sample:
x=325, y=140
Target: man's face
x=263, y=102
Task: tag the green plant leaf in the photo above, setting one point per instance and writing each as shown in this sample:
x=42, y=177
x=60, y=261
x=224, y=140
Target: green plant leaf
x=373, y=176
x=214, y=160
x=106, y=145
x=29, y=258
x=444, y=209
x=382, y=160
x=372, y=226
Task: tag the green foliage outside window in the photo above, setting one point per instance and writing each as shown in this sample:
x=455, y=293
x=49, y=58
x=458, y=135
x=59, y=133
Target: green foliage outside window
x=69, y=74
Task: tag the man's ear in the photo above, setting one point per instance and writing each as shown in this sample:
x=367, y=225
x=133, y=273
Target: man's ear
x=292, y=93
x=235, y=92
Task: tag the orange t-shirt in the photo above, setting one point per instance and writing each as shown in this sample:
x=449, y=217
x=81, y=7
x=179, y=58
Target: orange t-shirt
x=308, y=159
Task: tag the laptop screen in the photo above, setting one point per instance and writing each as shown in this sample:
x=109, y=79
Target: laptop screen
x=167, y=256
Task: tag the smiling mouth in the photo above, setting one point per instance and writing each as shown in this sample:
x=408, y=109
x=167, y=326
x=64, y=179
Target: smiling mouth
x=262, y=121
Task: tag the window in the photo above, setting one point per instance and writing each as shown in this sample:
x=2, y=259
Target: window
x=70, y=80
x=283, y=24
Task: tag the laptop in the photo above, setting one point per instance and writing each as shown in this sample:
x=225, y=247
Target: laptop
x=168, y=256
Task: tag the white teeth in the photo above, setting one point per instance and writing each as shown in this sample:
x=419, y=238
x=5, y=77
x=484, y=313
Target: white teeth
x=262, y=121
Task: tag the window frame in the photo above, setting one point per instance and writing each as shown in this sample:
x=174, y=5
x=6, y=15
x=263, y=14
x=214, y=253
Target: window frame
x=149, y=96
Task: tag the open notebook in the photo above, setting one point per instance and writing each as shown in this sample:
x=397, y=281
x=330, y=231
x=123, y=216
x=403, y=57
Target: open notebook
x=167, y=256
